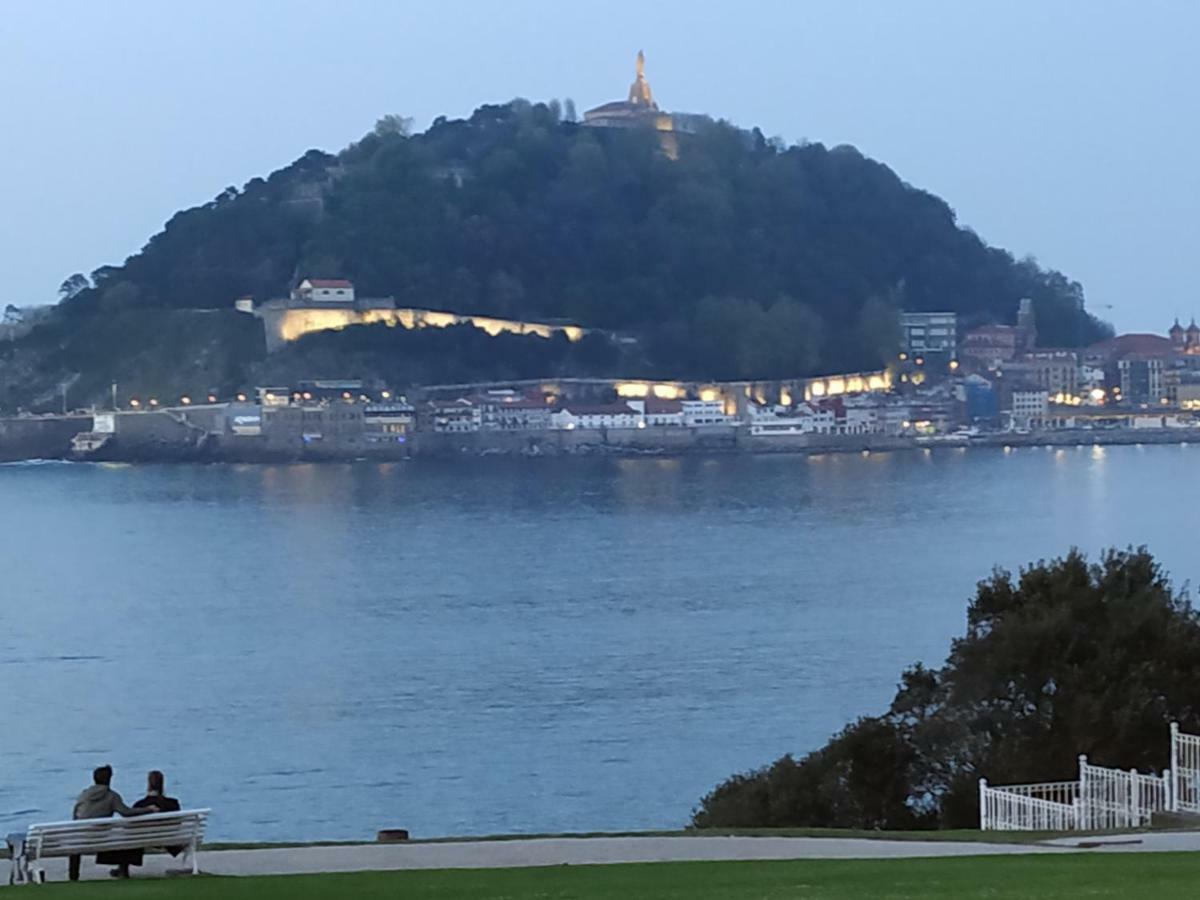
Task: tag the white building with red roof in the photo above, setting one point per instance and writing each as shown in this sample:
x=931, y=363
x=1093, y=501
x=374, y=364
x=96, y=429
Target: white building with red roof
x=324, y=292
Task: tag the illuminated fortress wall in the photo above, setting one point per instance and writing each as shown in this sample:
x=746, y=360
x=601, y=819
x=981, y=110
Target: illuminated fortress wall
x=284, y=325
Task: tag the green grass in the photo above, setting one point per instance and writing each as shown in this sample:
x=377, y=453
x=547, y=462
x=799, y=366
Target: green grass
x=1161, y=876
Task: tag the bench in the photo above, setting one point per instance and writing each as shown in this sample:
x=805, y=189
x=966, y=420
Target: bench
x=86, y=837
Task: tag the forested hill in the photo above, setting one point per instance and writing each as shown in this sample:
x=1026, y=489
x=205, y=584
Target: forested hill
x=740, y=258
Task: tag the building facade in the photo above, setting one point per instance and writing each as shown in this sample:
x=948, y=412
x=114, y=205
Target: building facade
x=929, y=332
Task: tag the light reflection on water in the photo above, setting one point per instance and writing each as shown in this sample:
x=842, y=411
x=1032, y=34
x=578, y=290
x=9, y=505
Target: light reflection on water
x=322, y=651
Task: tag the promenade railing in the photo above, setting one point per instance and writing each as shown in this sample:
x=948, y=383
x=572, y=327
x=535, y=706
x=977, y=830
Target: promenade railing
x=1048, y=806
x=1185, y=764
x=1113, y=798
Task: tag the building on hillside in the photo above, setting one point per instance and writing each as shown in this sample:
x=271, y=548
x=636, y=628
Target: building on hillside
x=571, y=416
x=639, y=110
x=1057, y=371
x=1185, y=341
x=929, y=332
x=324, y=291
x=331, y=304
x=989, y=345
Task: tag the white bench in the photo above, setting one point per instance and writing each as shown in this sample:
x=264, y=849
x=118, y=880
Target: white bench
x=86, y=837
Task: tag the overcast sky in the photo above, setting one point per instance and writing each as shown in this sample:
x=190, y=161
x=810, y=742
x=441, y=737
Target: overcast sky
x=1066, y=130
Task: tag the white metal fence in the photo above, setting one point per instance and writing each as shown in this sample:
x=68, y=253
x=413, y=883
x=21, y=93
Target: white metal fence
x=1026, y=807
x=1185, y=763
x=1102, y=799
x=1112, y=798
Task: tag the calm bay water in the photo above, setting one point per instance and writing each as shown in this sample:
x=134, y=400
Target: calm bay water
x=321, y=651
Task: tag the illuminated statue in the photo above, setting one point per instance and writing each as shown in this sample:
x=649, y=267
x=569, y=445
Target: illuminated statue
x=639, y=91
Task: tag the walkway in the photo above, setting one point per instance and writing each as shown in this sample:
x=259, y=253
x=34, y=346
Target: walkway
x=601, y=850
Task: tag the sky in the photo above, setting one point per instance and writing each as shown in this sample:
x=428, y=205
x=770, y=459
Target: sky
x=1063, y=130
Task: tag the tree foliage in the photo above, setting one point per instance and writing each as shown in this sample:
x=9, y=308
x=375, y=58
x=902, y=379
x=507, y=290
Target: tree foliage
x=799, y=255
x=1069, y=658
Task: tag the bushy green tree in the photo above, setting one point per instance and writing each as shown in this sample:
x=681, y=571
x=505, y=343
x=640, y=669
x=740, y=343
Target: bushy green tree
x=1067, y=658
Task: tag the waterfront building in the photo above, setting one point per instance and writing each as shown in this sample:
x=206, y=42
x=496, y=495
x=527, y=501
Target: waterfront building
x=702, y=413
x=658, y=412
x=929, y=332
x=573, y=416
x=459, y=416
x=334, y=428
x=388, y=421
x=1142, y=379
x=1030, y=407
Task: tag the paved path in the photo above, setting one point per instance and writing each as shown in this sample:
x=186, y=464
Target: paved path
x=600, y=850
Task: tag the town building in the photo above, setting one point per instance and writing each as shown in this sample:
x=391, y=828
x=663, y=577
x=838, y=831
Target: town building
x=659, y=412
x=989, y=345
x=459, y=416
x=1142, y=379
x=1056, y=371
x=703, y=413
x=330, y=427
x=1185, y=341
x=571, y=416
x=929, y=332
x=1030, y=407
x=388, y=422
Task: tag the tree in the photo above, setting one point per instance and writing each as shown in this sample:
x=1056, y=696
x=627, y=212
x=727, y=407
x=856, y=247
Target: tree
x=12, y=315
x=1068, y=658
x=73, y=285
x=393, y=124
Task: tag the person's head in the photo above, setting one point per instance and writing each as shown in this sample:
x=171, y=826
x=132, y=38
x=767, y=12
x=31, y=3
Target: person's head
x=102, y=775
x=154, y=782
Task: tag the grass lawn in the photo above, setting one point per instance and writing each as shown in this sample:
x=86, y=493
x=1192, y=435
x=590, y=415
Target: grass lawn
x=1161, y=876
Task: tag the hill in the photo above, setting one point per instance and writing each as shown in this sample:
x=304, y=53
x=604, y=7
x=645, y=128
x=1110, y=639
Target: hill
x=741, y=258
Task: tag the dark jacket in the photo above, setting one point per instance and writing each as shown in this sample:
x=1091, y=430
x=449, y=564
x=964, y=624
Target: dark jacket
x=100, y=802
x=162, y=802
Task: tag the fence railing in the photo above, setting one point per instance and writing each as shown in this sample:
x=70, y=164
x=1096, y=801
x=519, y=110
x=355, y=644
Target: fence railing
x=1112, y=798
x=1185, y=764
x=1024, y=807
x=1102, y=798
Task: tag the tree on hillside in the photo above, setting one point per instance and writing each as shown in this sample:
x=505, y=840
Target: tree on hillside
x=1068, y=658
x=393, y=124
x=72, y=285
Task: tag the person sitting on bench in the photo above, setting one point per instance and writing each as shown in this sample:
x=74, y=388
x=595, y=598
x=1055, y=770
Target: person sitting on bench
x=100, y=801
x=159, y=802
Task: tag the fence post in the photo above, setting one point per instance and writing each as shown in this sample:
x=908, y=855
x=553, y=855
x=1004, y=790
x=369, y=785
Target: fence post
x=1173, y=799
x=1135, y=812
x=1168, y=778
x=1083, y=816
x=983, y=816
